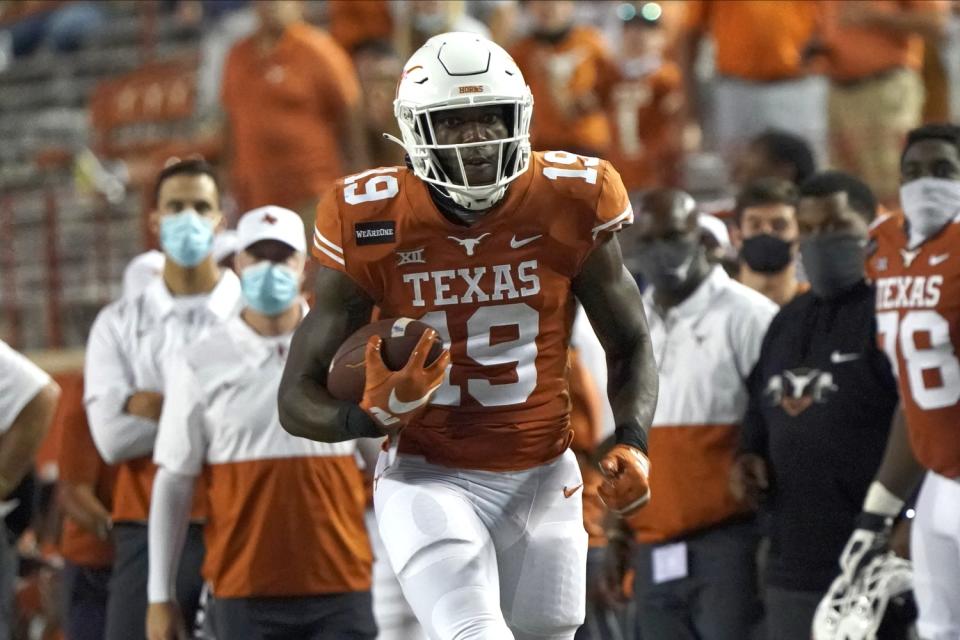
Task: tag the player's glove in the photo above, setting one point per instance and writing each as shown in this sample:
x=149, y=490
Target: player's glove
x=626, y=484
x=395, y=398
x=872, y=532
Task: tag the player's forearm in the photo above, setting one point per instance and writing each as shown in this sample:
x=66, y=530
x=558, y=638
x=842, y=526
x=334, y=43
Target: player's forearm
x=632, y=386
x=899, y=470
x=21, y=441
x=306, y=410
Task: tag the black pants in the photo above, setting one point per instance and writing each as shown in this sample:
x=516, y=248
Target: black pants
x=85, y=592
x=718, y=599
x=127, y=605
x=601, y=622
x=790, y=613
x=346, y=616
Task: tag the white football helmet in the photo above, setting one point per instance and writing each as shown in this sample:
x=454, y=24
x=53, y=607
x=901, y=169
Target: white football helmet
x=879, y=605
x=453, y=71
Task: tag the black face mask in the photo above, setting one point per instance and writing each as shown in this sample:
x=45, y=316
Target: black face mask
x=833, y=262
x=765, y=253
x=552, y=37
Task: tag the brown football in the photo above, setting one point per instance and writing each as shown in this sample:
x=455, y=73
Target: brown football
x=347, y=375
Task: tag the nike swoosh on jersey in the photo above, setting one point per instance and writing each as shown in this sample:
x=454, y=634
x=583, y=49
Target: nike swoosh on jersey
x=399, y=406
x=572, y=490
x=516, y=244
x=937, y=260
x=839, y=358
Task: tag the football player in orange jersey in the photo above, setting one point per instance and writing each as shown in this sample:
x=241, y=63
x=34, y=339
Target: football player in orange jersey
x=915, y=266
x=478, y=500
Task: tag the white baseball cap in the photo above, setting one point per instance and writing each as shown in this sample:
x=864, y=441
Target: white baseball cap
x=224, y=245
x=715, y=227
x=271, y=223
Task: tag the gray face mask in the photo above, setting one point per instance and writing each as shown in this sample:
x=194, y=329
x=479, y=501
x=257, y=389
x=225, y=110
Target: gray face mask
x=833, y=262
x=666, y=264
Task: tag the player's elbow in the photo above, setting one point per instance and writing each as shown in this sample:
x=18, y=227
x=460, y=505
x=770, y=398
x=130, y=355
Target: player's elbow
x=293, y=420
x=301, y=429
x=290, y=424
x=305, y=419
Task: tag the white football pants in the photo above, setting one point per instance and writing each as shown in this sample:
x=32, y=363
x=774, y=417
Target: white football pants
x=935, y=549
x=395, y=618
x=485, y=555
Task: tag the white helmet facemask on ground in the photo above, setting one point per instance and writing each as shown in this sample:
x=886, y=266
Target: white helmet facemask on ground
x=878, y=605
x=454, y=71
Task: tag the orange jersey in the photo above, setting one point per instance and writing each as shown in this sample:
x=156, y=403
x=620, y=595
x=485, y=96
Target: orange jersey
x=284, y=108
x=498, y=292
x=646, y=117
x=354, y=22
x=918, y=325
x=757, y=40
x=855, y=53
x=560, y=76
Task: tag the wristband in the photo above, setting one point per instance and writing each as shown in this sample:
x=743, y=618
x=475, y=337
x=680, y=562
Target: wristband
x=356, y=423
x=881, y=501
x=874, y=522
x=631, y=433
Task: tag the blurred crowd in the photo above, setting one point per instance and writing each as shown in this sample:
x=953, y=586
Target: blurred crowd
x=717, y=115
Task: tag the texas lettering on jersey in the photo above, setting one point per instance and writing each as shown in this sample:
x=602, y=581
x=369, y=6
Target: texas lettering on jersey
x=508, y=283
x=918, y=326
x=498, y=293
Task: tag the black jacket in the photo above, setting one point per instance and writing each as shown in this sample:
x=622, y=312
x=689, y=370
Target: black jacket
x=822, y=396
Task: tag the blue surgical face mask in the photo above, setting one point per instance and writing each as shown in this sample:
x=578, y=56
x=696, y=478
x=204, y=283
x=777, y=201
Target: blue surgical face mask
x=186, y=237
x=270, y=288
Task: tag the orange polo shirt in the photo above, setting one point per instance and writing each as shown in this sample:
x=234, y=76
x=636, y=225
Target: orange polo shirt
x=355, y=21
x=284, y=107
x=860, y=52
x=756, y=40
x=80, y=463
x=561, y=74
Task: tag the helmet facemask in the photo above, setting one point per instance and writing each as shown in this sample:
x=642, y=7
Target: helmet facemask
x=443, y=165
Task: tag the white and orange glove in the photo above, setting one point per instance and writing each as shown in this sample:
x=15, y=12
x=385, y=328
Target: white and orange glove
x=395, y=398
x=626, y=484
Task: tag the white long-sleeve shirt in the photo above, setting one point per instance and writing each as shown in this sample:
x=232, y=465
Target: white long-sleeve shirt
x=129, y=348
x=274, y=500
